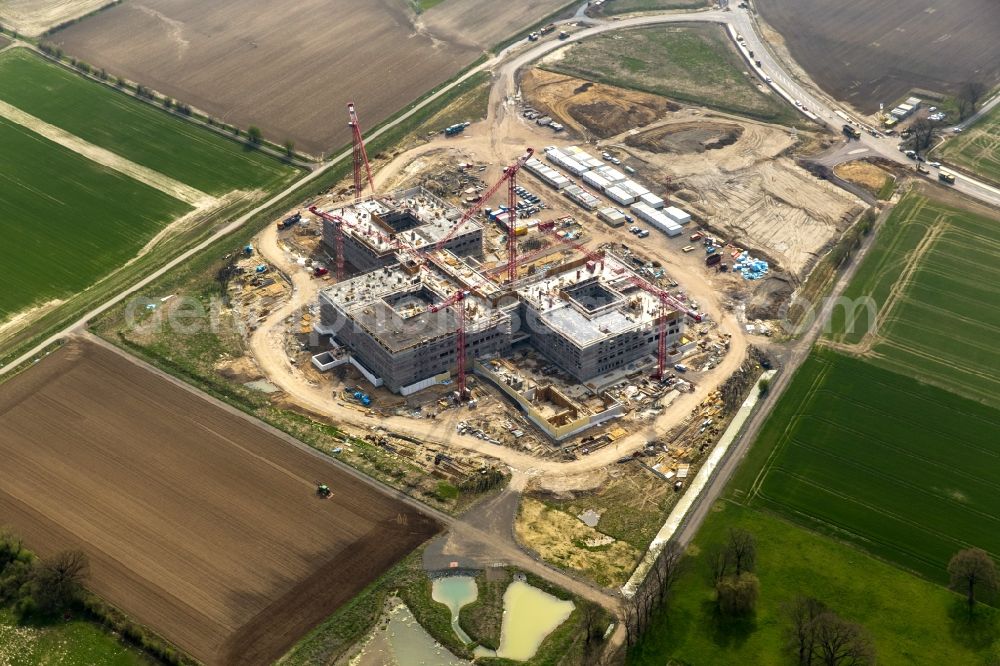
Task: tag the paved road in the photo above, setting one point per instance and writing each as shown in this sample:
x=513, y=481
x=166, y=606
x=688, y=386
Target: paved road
x=789, y=360
x=807, y=98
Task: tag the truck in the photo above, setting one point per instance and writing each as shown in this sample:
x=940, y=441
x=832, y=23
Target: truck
x=547, y=29
x=713, y=259
x=289, y=221
x=457, y=128
x=852, y=132
x=563, y=35
x=946, y=176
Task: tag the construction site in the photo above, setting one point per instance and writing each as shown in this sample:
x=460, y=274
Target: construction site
x=510, y=298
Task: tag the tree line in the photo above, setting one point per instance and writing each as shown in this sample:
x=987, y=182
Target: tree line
x=254, y=135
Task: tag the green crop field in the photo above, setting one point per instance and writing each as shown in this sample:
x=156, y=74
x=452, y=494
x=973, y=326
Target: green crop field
x=978, y=147
x=911, y=620
x=905, y=470
x=66, y=221
x=883, y=450
x=134, y=130
x=696, y=64
x=933, y=278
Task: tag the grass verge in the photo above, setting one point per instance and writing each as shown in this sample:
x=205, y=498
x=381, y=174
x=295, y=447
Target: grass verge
x=695, y=64
x=613, y=7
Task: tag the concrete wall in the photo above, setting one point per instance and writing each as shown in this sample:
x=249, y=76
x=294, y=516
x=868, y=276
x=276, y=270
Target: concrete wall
x=609, y=354
x=558, y=433
x=403, y=368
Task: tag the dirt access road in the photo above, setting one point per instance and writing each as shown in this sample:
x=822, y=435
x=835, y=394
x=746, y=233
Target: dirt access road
x=197, y=522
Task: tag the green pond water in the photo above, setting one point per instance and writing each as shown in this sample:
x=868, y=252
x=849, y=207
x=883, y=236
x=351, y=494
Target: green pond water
x=455, y=592
x=529, y=615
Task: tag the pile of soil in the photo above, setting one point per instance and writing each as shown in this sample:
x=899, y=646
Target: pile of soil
x=695, y=137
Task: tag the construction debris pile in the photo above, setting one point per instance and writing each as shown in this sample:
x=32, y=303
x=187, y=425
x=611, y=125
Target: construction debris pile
x=456, y=180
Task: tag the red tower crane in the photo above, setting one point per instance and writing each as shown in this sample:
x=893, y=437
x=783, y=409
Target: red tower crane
x=509, y=176
x=668, y=303
x=360, y=154
x=338, y=225
x=458, y=298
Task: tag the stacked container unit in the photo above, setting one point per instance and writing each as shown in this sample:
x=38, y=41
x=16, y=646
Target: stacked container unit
x=633, y=187
x=582, y=197
x=651, y=200
x=564, y=161
x=583, y=157
x=547, y=174
x=594, y=179
x=612, y=216
x=657, y=219
x=619, y=196
x=611, y=174
x=677, y=215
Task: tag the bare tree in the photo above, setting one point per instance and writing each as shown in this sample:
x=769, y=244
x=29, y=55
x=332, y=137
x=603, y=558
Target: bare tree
x=670, y=565
x=718, y=560
x=57, y=581
x=630, y=613
x=969, y=95
x=924, y=132
x=742, y=550
x=841, y=643
x=972, y=570
x=802, y=632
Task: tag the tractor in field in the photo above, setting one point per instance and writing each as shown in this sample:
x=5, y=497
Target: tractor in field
x=323, y=491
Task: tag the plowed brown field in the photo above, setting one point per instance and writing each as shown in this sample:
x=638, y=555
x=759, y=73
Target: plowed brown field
x=291, y=67
x=198, y=522
x=867, y=52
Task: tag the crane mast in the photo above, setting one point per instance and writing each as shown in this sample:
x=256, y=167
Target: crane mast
x=360, y=153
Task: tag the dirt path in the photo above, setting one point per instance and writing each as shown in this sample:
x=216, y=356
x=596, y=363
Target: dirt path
x=174, y=188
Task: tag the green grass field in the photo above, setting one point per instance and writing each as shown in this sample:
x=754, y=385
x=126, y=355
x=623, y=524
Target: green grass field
x=934, y=277
x=911, y=621
x=125, y=126
x=908, y=471
x=696, y=64
x=73, y=643
x=624, y=6
x=66, y=220
x=977, y=148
